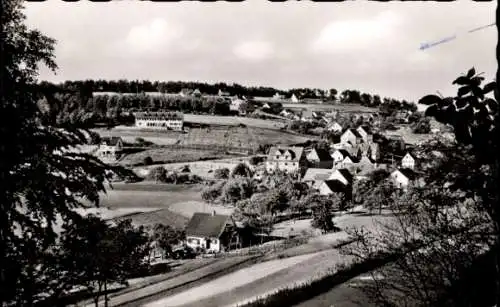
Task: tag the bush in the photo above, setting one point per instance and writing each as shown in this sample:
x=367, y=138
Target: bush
x=221, y=173
x=256, y=160
x=148, y=161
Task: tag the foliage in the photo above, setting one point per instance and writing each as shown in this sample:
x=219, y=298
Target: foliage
x=211, y=193
x=98, y=254
x=167, y=237
x=242, y=170
x=255, y=160
x=158, y=173
x=147, y=161
x=41, y=179
x=423, y=126
x=221, y=173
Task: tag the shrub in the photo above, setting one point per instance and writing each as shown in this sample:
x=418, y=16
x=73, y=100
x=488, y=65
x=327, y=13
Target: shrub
x=147, y=161
x=221, y=173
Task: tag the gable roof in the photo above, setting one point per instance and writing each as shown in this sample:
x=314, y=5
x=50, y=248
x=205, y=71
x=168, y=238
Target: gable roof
x=317, y=174
x=110, y=141
x=344, y=152
x=335, y=185
x=354, y=131
x=366, y=128
x=346, y=174
x=323, y=154
x=206, y=225
x=296, y=152
x=408, y=173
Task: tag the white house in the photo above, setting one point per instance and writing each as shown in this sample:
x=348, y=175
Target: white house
x=403, y=177
x=351, y=136
x=319, y=158
x=206, y=231
x=222, y=93
x=334, y=127
x=365, y=133
x=110, y=148
x=288, y=159
x=277, y=96
x=159, y=120
x=328, y=187
x=408, y=161
x=339, y=155
x=294, y=98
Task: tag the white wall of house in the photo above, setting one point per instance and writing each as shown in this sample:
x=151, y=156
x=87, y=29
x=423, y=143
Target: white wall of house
x=286, y=166
x=337, y=156
x=195, y=242
x=399, y=179
x=348, y=137
x=408, y=162
x=324, y=189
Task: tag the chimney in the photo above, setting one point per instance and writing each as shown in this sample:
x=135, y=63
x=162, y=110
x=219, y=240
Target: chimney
x=213, y=213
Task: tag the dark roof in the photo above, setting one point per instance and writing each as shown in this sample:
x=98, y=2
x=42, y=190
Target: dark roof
x=366, y=128
x=346, y=173
x=410, y=174
x=296, y=152
x=344, y=152
x=335, y=185
x=206, y=225
x=323, y=154
x=355, y=132
x=110, y=141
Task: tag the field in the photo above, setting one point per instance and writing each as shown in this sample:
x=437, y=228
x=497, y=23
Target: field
x=171, y=155
x=232, y=121
x=348, y=108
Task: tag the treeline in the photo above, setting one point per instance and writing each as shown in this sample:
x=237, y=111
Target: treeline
x=73, y=102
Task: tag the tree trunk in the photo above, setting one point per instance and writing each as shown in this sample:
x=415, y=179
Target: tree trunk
x=495, y=174
x=105, y=294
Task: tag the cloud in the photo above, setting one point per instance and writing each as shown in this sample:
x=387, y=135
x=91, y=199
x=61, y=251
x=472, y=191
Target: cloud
x=254, y=50
x=152, y=37
x=357, y=34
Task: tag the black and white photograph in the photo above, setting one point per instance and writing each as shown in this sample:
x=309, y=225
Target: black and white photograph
x=249, y=154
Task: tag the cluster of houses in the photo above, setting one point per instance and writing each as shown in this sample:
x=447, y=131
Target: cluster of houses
x=335, y=169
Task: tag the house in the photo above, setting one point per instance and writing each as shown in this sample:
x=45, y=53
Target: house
x=308, y=115
x=365, y=133
x=238, y=105
x=315, y=176
x=343, y=175
x=339, y=155
x=328, y=187
x=110, y=148
x=351, y=136
x=319, y=158
x=334, y=127
x=210, y=232
x=294, y=99
x=289, y=159
x=403, y=177
x=348, y=161
x=408, y=161
x=266, y=106
x=159, y=120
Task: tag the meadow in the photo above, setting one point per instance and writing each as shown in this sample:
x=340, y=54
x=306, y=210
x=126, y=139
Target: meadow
x=348, y=108
x=233, y=121
x=172, y=155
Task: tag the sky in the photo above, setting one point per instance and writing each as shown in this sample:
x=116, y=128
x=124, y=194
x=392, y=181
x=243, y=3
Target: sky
x=369, y=46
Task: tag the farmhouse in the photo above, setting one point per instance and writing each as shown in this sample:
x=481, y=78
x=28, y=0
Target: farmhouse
x=294, y=98
x=351, y=137
x=315, y=176
x=339, y=155
x=159, y=120
x=328, y=187
x=210, y=232
x=343, y=175
x=319, y=158
x=403, y=177
x=109, y=148
x=287, y=159
x=365, y=133
x=408, y=161
x=278, y=96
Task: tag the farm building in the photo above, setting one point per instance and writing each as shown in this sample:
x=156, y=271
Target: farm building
x=351, y=136
x=319, y=158
x=343, y=175
x=294, y=98
x=210, y=232
x=403, y=177
x=287, y=159
x=408, y=161
x=159, y=120
x=334, y=127
x=328, y=187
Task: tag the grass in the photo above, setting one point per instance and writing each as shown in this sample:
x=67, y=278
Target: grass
x=148, y=199
x=348, y=108
x=232, y=121
x=151, y=218
x=170, y=155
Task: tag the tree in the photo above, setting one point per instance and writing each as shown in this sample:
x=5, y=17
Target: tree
x=167, y=237
x=423, y=126
x=242, y=170
x=40, y=180
x=212, y=192
x=221, y=173
x=158, y=174
x=148, y=161
x=473, y=114
x=322, y=208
